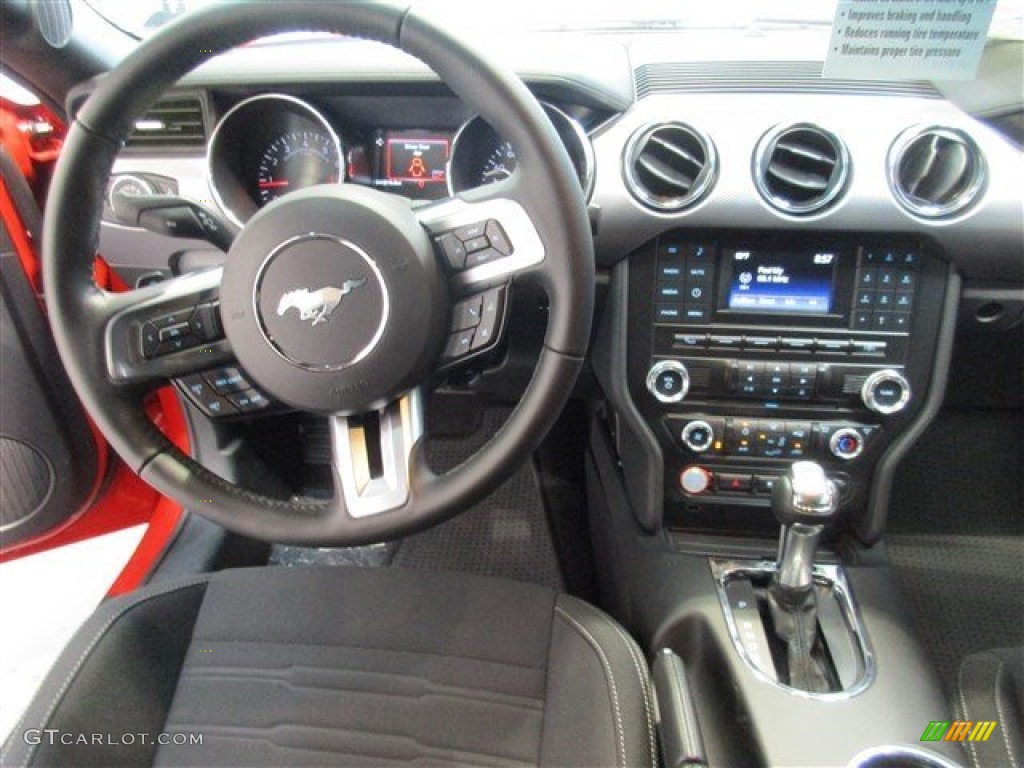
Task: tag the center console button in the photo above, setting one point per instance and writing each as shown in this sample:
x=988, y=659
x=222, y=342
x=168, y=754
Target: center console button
x=771, y=439
x=668, y=313
x=832, y=346
x=762, y=343
x=670, y=271
x=698, y=294
x=725, y=342
x=734, y=483
x=696, y=313
x=669, y=292
x=739, y=436
x=691, y=340
x=794, y=344
x=868, y=348
x=798, y=439
x=763, y=484
x=695, y=480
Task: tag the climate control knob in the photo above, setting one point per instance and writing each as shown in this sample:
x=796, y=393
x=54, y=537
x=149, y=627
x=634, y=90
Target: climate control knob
x=846, y=443
x=886, y=391
x=698, y=436
x=668, y=381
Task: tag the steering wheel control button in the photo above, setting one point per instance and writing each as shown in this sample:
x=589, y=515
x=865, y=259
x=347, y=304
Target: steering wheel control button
x=467, y=314
x=498, y=239
x=205, y=322
x=490, y=319
x=886, y=392
x=249, y=400
x=698, y=436
x=454, y=251
x=668, y=381
x=459, y=344
x=150, y=340
x=202, y=394
x=846, y=443
x=695, y=480
x=225, y=380
x=475, y=244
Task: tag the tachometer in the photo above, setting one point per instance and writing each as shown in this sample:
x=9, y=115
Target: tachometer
x=267, y=146
x=295, y=160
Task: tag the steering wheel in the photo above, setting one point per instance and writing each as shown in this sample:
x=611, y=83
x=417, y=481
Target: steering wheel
x=336, y=300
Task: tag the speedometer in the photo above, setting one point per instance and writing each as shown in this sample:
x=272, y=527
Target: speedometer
x=499, y=164
x=295, y=160
x=479, y=156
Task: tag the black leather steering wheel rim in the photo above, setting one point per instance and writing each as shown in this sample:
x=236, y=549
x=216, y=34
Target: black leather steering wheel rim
x=546, y=186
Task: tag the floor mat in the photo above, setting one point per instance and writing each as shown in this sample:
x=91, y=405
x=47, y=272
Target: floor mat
x=506, y=535
x=956, y=536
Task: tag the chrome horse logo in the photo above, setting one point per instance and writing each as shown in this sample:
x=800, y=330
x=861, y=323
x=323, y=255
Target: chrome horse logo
x=317, y=305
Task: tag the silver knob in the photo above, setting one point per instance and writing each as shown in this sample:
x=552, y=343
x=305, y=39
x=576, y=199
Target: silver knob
x=812, y=490
x=886, y=391
x=846, y=443
x=668, y=381
x=698, y=436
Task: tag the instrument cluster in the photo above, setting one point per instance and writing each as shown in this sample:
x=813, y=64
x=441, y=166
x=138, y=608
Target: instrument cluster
x=269, y=145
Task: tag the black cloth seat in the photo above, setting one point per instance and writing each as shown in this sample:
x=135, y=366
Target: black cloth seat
x=991, y=689
x=343, y=666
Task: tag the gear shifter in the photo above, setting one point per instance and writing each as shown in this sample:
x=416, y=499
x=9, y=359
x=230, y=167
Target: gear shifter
x=804, y=501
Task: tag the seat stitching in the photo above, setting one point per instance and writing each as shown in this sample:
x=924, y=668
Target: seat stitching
x=620, y=738
x=76, y=668
x=971, y=747
x=644, y=690
x=547, y=677
x=679, y=696
x=266, y=734
x=1002, y=716
x=368, y=648
x=433, y=689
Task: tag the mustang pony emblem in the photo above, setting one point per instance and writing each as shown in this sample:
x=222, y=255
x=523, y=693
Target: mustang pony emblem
x=317, y=305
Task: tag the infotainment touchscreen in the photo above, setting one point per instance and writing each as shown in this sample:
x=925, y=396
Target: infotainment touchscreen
x=782, y=282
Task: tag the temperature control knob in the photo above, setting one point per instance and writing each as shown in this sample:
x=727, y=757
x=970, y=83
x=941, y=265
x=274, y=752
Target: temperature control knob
x=886, y=391
x=668, y=381
x=695, y=480
x=846, y=444
x=698, y=436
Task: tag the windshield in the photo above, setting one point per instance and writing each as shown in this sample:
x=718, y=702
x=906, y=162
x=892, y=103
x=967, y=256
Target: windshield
x=141, y=18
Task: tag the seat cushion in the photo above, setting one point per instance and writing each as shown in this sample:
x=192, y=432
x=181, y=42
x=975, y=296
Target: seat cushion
x=991, y=687
x=344, y=666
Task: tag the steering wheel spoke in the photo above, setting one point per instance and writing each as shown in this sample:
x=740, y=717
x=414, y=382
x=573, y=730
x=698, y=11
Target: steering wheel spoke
x=371, y=456
x=167, y=330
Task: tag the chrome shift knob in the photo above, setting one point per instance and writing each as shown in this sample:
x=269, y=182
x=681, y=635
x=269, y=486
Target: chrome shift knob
x=803, y=500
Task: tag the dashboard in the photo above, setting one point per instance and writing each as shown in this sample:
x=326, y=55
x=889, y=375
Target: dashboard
x=785, y=254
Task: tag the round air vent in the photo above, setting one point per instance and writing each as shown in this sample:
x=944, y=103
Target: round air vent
x=799, y=169
x=55, y=21
x=669, y=166
x=935, y=171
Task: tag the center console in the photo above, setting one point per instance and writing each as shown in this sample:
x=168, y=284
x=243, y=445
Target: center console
x=747, y=351
x=761, y=388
